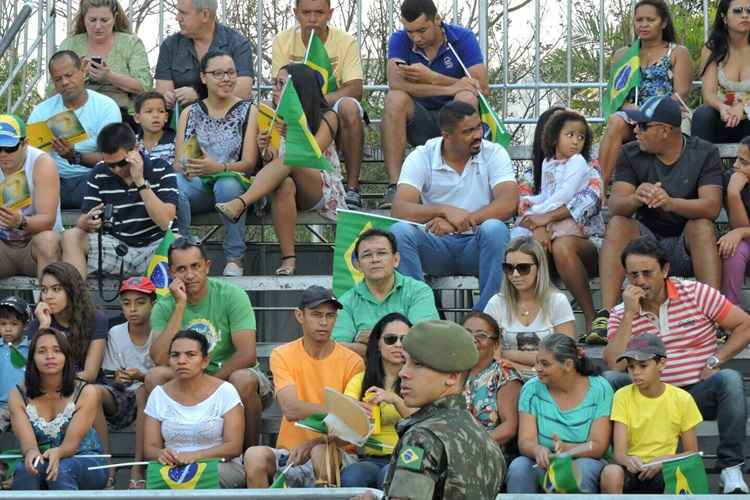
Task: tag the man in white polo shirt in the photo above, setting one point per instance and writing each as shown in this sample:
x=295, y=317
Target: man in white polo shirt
x=467, y=188
x=684, y=314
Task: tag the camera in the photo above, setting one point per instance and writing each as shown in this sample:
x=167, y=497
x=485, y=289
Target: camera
x=108, y=227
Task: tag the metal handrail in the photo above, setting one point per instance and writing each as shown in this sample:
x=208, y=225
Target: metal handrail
x=15, y=28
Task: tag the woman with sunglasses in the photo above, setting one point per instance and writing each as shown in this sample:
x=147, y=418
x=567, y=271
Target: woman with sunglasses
x=377, y=387
x=726, y=76
x=492, y=387
x=295, y=188
x=215, y=170
x=528, y=307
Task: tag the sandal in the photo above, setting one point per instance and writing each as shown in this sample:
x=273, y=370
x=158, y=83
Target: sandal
x=110, y=484
x=227, y=212
x=286, y=270
x=137, y=484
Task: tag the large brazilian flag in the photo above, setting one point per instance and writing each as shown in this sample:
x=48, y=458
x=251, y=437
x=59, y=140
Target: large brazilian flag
x=562, y=476
x=685, y=476
x=625, y=76
x=198, y=476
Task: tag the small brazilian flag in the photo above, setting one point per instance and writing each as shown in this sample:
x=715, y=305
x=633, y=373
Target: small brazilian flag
x=685, y=476
x=349, y=225
x=17, y=359
x=410, y=457
x=158, y=267
x=175, y=121
x=625, y=76
x=201, y=475
x=301, y=148
x=494, y=128
x=562, y=476
x=317, y=58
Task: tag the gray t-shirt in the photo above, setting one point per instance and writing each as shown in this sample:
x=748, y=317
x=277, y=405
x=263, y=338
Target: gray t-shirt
x=698, y=165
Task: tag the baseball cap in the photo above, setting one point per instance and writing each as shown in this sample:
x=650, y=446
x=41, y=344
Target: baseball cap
x=17, y=305
x=12, y=130
x=315, y=295
x=644, y=347
x=661, y=109
x=138, y=284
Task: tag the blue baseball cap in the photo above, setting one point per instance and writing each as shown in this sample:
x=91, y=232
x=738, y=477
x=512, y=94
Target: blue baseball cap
x=12, y=130
x=662, y=109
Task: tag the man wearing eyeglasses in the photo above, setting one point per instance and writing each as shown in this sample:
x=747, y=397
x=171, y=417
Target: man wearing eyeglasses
x=143, y=194
x=30, y=223
x=382, y=291
x=666, y=185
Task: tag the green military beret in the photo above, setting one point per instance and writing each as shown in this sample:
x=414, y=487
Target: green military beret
x=441, y=345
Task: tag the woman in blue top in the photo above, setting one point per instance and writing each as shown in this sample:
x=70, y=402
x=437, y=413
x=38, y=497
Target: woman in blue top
x=55, y=411
x=566, y=405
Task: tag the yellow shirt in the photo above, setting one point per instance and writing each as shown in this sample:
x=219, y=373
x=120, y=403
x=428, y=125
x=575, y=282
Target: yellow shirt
x=654, y=424
x=342, y=49
x=389, y=417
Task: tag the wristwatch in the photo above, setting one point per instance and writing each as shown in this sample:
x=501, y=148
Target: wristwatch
x=713, y=362
x=143, y=186
x=22, y=225
x=76, y=157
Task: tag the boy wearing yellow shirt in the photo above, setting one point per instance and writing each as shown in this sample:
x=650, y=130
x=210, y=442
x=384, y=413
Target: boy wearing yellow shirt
x=649, y=417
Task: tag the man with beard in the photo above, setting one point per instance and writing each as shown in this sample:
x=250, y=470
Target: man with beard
x=467, y=187
x=684, y=314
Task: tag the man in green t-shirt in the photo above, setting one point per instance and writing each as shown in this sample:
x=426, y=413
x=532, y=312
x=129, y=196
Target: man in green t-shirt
x=381, y=292
x=222, y=312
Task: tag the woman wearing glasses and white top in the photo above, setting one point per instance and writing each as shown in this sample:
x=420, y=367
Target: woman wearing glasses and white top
x=528, y=307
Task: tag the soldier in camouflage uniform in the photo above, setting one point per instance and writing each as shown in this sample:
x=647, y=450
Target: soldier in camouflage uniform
x=442, y=451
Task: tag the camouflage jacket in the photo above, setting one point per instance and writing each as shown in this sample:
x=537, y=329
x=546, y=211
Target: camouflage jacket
x=443, y=453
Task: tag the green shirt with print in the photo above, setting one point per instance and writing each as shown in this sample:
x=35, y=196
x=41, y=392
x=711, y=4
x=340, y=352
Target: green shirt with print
x=225, y=310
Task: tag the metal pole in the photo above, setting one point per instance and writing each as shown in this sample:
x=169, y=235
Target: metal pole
x=537, y=53
x=601, y=54
x=483, y=27
x=705, y=19
x=569, y=52
x=259, y=48
x=161, y=21
x=390, y=16
x=456, y=20
x=359, y=24
x=505, y=57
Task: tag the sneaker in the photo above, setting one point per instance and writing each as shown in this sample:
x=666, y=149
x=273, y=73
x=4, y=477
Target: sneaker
x=353, y=198
x=233, y=269
x=388, y=197
x=598, y=333
x=731, y=480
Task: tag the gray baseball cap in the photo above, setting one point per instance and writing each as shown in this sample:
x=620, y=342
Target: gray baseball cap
x=644, y=347
x=316, y=295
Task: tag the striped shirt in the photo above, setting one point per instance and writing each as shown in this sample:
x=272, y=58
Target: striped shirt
x=686, y=324
x=132, y=224
x=163, y=150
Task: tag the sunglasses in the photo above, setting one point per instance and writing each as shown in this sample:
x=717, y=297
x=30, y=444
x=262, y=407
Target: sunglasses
x=392, y=338
x=11, y=149
x=482, y=336
x=522, y=269
x=118, y=164
x=737, y=11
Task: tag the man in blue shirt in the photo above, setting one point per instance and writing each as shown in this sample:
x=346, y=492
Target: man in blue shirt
x=424, y=74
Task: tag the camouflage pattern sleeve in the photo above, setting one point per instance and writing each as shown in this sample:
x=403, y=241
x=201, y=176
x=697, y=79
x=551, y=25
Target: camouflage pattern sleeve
x=419, y=466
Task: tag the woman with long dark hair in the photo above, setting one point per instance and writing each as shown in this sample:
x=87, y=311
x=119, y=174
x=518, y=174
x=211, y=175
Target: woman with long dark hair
x=565, y=405
x=726, y=76
x=666, y=68
x=55, y=410
x=378, y=387
x=295, y=188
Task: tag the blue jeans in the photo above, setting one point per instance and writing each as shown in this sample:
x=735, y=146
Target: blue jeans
x=72, y=475
x=720, y=397
x=369, y=472
x=72, y=189
x=195, y=198
x=479, y=254
x=523, y=477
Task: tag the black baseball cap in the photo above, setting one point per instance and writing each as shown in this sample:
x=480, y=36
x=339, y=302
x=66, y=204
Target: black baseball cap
x=662, y=109
x=316, y=295
x=644, y=347
x=17, y=305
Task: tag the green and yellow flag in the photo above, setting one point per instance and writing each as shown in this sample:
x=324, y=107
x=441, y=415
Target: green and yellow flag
x=494, y=128
x=301, y=148
x=349, y=225
x=562, y=476
x=202, y=475
x=17, y=358
x=317, y=58
x=685, y=476
x=625, y=76
x=158, y=267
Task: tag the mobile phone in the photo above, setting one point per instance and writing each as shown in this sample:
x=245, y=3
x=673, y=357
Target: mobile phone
x=98, y=60
x=110, y=374
x=400, y=63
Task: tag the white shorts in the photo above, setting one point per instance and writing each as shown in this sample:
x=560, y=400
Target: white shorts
x=303, y=476
x=337, y=105
x=135, y=261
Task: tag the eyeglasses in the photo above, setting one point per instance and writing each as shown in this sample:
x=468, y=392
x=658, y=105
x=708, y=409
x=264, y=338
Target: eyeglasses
x=392, y=338
x=523, y=269
x=12, y=149
x=382, y=254
x=737, y=11
x=482, y=336
x=220, y=74
x=118, y=164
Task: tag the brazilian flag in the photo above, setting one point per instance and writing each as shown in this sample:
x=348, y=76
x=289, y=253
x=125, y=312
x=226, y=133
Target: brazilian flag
x=158, y=267
x=17, y=359
x=562, y=476
x=494, y=128
x=349, y=225
x=201, y=475
x=625, y=76
x=301, y=148
x=317, y=58
x=685, y=476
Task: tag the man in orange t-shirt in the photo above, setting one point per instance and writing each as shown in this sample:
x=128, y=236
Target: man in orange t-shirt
x=302, y=369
